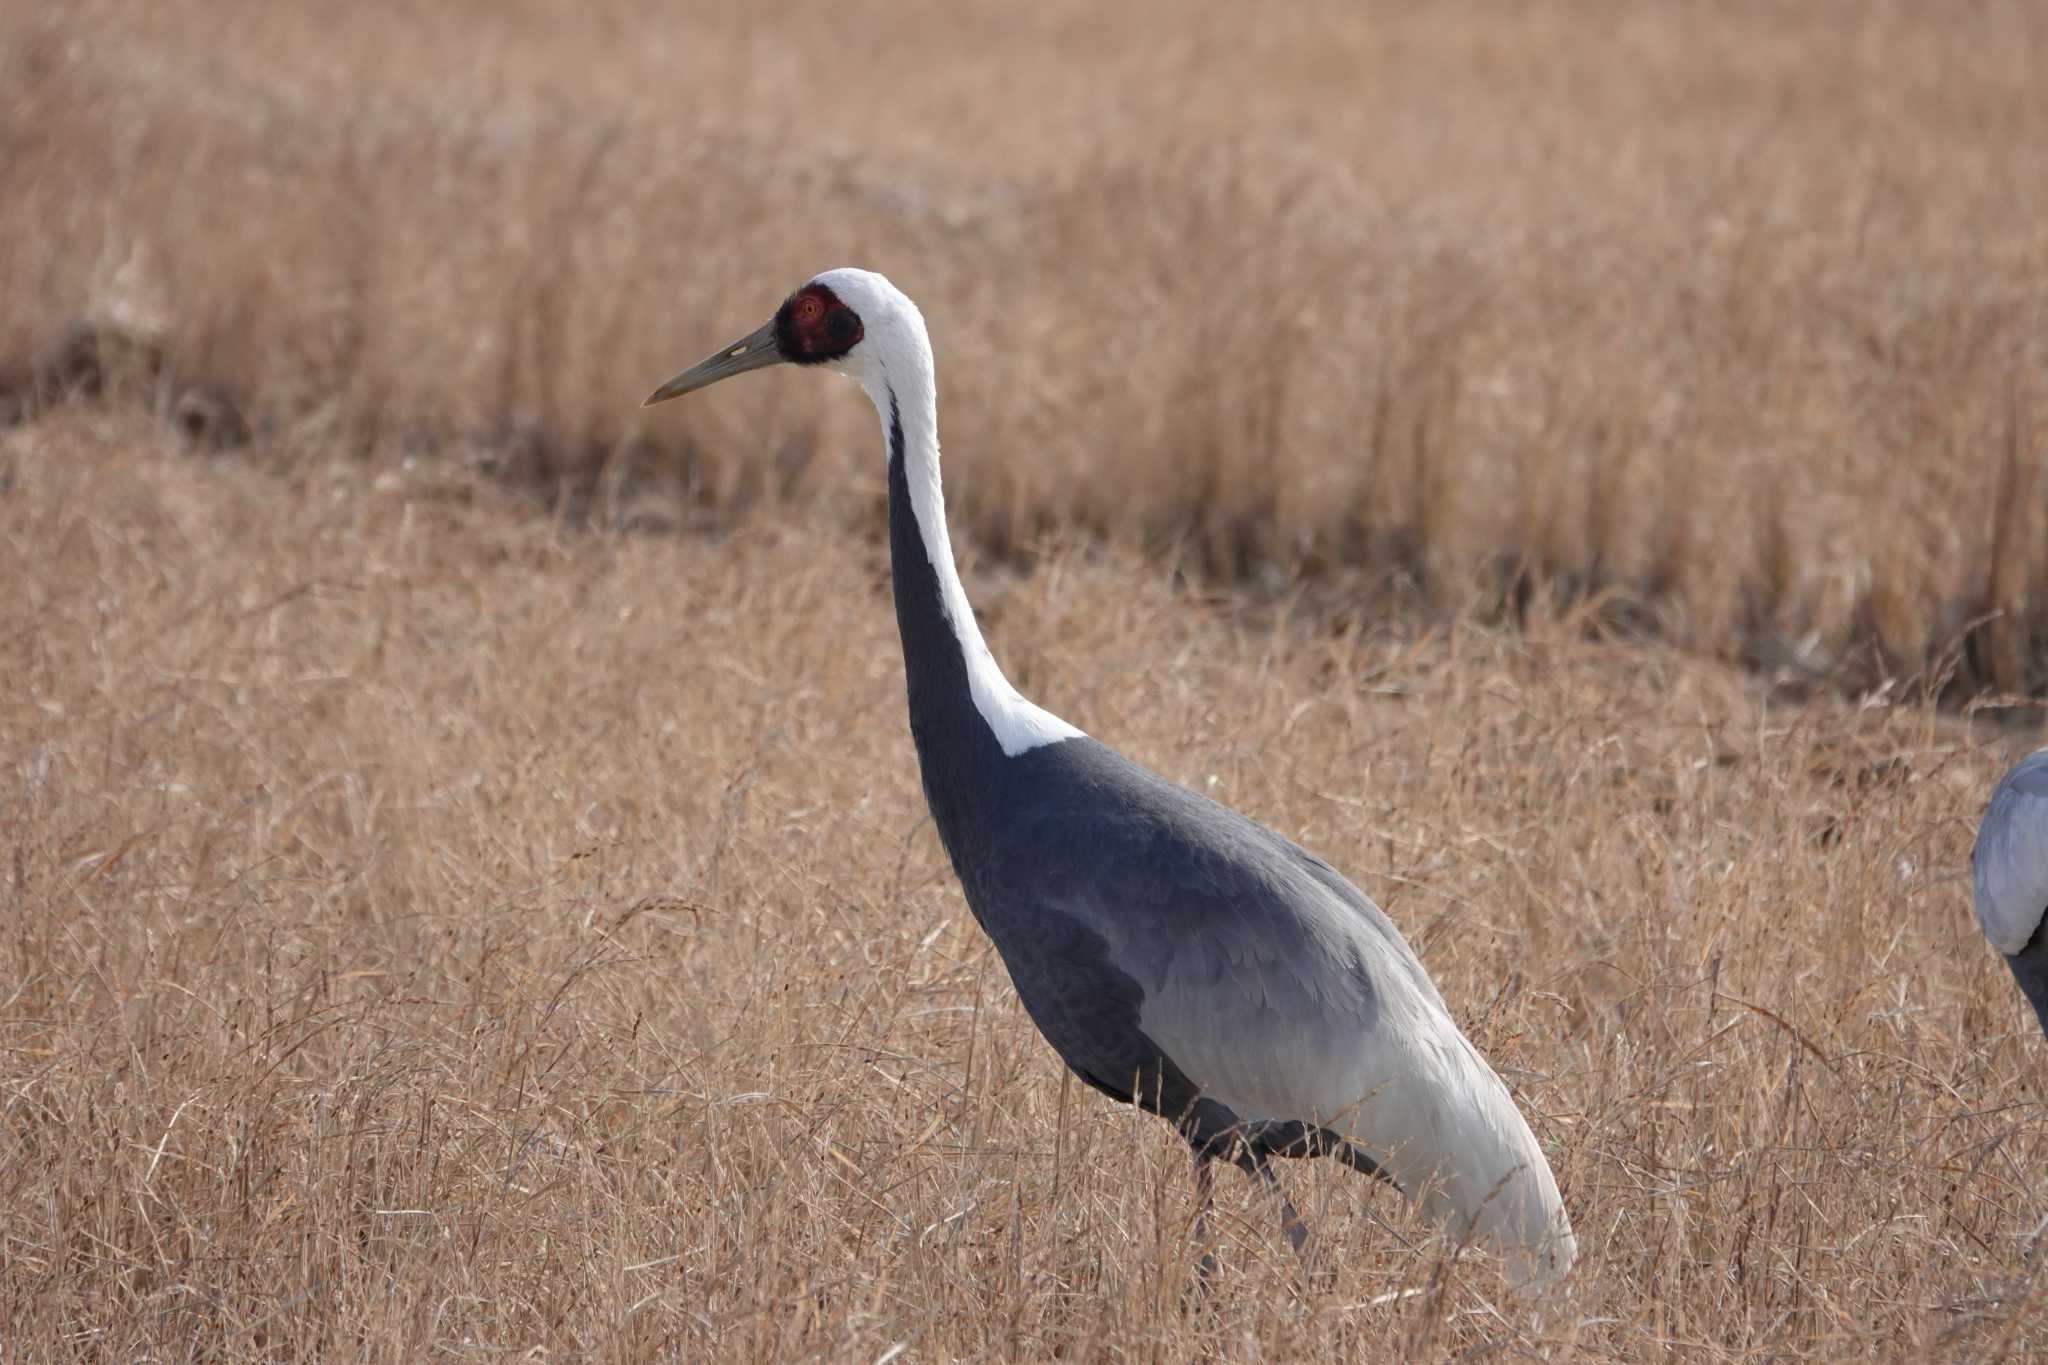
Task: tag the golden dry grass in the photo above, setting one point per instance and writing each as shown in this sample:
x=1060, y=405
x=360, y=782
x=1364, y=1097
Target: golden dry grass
x=437, y=924
x=1730, y=316
x=429, y=932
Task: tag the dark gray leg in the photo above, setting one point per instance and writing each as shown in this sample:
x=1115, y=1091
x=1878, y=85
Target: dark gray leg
x=1205, y=1197
x=1317, y=1273
x=1290, y=1221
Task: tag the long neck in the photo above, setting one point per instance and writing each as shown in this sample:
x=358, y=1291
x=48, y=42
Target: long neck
x=965, y=716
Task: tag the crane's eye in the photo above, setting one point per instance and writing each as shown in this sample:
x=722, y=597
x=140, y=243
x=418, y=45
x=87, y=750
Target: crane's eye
x=813, y=326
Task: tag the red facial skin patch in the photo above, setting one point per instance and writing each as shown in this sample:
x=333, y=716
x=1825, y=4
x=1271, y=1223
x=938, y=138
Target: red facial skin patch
x=813, y=326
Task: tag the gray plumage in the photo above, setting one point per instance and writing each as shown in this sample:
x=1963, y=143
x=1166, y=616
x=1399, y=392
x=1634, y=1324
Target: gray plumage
x=2009, y=874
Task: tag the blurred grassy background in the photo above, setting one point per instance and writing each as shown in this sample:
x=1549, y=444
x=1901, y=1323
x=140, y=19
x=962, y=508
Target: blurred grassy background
x=1730, y=318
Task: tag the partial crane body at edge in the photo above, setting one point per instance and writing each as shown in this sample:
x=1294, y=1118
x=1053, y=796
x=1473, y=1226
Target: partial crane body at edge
x=2009, y=875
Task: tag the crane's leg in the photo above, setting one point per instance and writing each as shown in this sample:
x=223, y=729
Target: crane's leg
x=1291, y=1222
x=1205, y=1198
x=1317, y=1273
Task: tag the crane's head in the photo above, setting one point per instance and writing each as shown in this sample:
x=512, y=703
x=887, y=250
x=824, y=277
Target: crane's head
x=853, y=321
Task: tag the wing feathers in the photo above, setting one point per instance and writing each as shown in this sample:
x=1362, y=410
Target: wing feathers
x=1277, y=988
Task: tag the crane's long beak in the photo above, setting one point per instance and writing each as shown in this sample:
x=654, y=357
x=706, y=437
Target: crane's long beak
x=756, y=350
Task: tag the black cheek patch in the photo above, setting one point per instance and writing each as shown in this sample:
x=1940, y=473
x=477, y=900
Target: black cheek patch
x=813, y=326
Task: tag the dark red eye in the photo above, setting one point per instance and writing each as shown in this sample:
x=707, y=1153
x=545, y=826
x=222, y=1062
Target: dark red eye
x=814, y=326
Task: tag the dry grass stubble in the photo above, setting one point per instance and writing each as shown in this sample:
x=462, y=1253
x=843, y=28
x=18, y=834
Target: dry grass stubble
x=431, y=932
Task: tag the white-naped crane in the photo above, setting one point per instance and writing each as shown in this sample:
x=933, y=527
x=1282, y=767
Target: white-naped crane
x=1176, y=954
x=2009, y=872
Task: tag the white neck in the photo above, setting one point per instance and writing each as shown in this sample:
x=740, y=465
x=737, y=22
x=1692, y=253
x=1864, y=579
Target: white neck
x=904, y=376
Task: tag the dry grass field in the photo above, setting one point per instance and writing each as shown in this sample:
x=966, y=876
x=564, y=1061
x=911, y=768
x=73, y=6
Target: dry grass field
x=1731, y=318
x=466, y=887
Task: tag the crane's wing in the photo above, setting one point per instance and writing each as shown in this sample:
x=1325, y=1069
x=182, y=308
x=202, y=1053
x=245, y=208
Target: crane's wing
x=1135, y=915
x=1215, y=940
x=2010, y=863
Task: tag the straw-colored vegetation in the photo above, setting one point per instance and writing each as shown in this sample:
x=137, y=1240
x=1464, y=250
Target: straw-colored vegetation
x=1730, y=317
x=445, y=920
